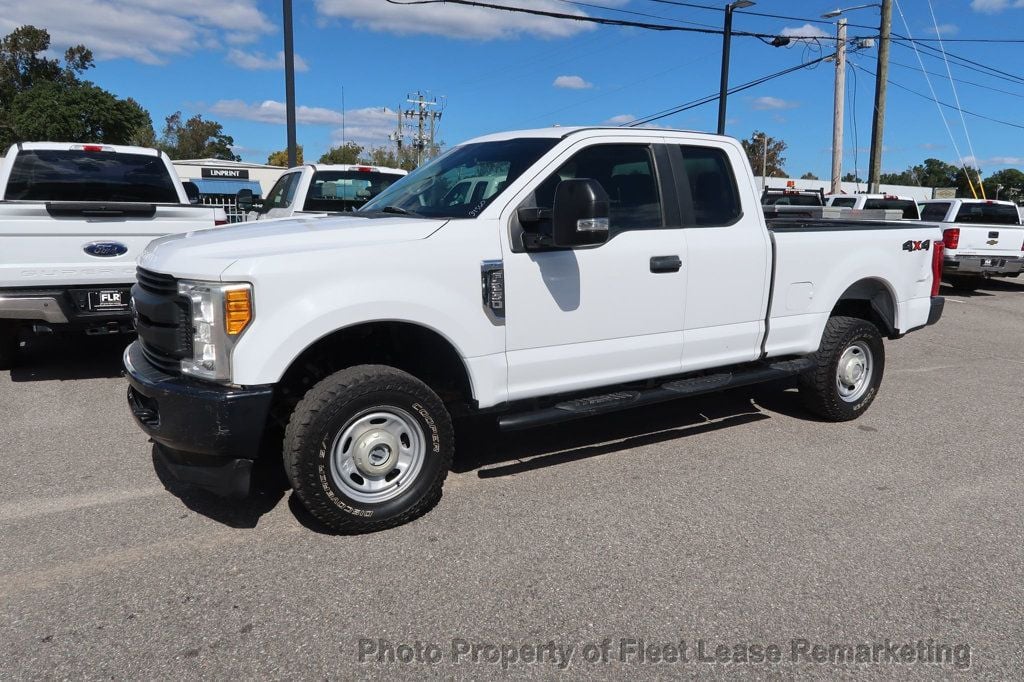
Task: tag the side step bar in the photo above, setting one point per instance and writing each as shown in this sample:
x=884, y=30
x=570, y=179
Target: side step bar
x=678, y=388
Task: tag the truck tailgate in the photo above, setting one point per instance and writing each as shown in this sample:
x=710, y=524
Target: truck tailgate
x=45, y=244
x=994, y=240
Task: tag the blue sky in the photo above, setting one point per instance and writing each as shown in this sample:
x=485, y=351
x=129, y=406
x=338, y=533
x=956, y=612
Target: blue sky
x=497, y=70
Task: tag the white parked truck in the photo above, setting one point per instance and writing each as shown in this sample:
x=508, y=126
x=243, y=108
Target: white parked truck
x=73, y=219
x=316, y=190
x=861, y=202
x=611, y=269
x=983, y=238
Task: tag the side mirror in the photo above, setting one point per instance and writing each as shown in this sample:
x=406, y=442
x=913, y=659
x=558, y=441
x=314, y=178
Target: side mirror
x=244, y=200
x=579, y=216
x=191, y=191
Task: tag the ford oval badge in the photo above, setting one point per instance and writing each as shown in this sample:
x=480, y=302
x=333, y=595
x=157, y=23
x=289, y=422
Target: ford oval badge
x=105, y=249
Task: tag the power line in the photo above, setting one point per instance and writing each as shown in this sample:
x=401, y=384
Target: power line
x=711, y=98
x=963, y=61
x=945, y=104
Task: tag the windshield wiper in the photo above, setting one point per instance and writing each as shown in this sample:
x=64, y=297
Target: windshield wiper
x=396, y=209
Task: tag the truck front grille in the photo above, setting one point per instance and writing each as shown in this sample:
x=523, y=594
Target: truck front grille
x=163, y=320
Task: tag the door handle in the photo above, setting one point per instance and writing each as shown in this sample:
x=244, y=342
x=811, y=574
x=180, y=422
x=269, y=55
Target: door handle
x=666, y=263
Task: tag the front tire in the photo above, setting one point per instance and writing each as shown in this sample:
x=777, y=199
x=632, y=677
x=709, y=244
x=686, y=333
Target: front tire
x=848, y=370
x=368, y=448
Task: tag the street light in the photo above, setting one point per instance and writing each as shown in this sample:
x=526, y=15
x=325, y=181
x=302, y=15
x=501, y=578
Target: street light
x=836, y=12
x=723, y=89
x=999, y=188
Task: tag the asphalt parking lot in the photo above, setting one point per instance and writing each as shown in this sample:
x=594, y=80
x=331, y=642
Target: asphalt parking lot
x=736, y=520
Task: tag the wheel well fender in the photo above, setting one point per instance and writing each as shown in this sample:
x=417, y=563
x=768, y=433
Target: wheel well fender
x=872, y=300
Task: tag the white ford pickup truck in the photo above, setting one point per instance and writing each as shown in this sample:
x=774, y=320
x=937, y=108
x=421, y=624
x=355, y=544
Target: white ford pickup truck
x=73, y=219
x=316, y=190
x=983, y=238
x=612, y=268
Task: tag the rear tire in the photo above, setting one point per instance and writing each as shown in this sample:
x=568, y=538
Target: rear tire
x=9, y=346
x=848, y=370
x=368, y=448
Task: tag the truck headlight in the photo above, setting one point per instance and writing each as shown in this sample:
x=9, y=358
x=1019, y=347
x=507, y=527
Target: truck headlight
x=220, y=314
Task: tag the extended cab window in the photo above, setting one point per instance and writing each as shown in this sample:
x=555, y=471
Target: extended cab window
x=626, y=171
x=844, y=202
x=993, y=214
x=935, y=213
x=79, y=175
x=714, y=199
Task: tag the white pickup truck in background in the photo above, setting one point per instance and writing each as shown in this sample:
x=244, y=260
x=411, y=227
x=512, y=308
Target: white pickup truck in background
x=316, y=190
x=860, y=202
x=73, y=219
x=983, y=238
x=609, y=268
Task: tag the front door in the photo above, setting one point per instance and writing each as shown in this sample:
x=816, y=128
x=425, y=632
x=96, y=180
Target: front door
x=593, y=316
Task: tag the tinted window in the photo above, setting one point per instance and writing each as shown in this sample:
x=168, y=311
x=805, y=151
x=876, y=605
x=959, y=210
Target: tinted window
x=427, y=190
x=908, y=207
x=996, y=214
x=715, y=199
x=626, y=171
x=793, y=199
x=283, y=191
x=843, y=202
x=345, y=190
x=935, y=213
x=74, y=175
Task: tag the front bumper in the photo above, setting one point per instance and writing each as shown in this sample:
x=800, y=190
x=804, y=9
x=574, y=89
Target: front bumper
x=209, y=434
x=986, y=266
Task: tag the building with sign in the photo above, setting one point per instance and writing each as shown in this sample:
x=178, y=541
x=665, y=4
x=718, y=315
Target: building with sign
x=218, y=178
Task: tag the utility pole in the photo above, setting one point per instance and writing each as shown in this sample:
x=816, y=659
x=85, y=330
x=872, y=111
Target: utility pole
x=838, y=105
x=426, y=123
x=289, y=83
x=723, y=89
x=881, y=77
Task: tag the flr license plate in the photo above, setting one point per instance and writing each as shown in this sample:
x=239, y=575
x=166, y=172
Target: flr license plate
x=108, y=299
x=992, y=262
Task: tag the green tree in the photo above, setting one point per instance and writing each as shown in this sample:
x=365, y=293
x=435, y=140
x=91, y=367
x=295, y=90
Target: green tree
x=809, y=176
x=75, y=112
x=1010, y=179
x=772, y=158
x=280, y=157
x=196, y=138
x=906, y=177
x=850, y=177
x=344, y=153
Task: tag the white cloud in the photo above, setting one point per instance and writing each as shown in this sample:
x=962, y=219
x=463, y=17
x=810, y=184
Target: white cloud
x=257, y=61
x=148, y=31
x=272, y=111
x=943, y=30
x=974, y=162
x=772, y=103
x=806, y=33
x=620, y=119
x=367, y=126
x=994, y=6
x=572, y=83
x=456, y=21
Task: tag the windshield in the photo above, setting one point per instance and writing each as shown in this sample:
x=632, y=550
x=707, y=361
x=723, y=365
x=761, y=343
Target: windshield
x=345, y=190
x=993, y=214
x=79, y=175
x=462, y=182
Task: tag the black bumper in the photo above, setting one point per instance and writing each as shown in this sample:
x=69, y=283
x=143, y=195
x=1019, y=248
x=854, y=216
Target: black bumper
x=209, y=434
x=938, y=304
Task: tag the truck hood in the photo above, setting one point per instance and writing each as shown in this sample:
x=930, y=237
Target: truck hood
x=208, y=253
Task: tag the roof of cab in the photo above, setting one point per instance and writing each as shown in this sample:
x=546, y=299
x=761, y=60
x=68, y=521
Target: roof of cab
x=566, y=131
x=67, y=146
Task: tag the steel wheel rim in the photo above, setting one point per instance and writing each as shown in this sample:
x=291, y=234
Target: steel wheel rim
x=853, y=372
x=377, y=454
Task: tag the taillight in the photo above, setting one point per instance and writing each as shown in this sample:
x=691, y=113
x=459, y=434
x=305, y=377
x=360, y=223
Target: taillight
x=938, y=249
x=951, y=237
x=218, y=223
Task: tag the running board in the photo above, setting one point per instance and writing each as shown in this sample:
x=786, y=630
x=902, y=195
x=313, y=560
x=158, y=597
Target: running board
x=672, y=390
